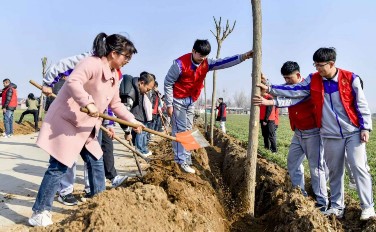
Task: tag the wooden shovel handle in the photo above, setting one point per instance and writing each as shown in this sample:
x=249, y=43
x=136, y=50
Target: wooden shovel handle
x=125, y=144
x=40, y=87
x=118, y=120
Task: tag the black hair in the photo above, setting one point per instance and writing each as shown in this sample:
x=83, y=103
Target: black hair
x=202, y=46
x=103, y=45
x=325, y=55
x=156, y=83
x=6, y=79
x=146, y=77
x=31, y=96
x=289, y=67
x=221, y=98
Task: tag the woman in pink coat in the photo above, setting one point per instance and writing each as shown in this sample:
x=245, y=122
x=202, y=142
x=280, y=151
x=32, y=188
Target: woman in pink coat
x=67, y=132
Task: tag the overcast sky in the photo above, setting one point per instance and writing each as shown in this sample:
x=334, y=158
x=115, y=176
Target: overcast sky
x=165, y=30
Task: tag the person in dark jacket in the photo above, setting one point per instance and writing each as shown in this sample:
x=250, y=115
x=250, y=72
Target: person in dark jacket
x=133, y=93
x=221, y=116
x=9, y=105
x=32, y=108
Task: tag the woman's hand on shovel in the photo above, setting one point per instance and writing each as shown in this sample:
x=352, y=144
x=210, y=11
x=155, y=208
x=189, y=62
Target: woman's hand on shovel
x=139, y=128
x=93, y=110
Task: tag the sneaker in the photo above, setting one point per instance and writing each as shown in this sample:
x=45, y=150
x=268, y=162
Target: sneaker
x=148, y=154
x=352, y=186
x=367, y=213
x=43, y=218
x=322, y=208
x=118, y=180
x=337, y=212
x=68, y=199
x=187, y=168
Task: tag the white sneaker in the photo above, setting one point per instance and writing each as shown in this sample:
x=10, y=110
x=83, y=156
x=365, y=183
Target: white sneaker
x=367, y=213
x=337, y=212
x=118, y=180
x=187, y=168
x=43, y=218
x=352, y=185
x=148, y=154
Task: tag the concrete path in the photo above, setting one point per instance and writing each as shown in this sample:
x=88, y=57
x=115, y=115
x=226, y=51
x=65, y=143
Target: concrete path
x=22, y=166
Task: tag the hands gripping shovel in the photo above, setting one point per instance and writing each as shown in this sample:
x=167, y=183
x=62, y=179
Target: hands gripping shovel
x=130, y=147
x=189, y=139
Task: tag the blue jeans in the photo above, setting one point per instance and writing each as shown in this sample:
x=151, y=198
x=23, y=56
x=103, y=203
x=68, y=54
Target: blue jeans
x=56, y=171
x=8, y=122
x=182, y=120
x=140, y=141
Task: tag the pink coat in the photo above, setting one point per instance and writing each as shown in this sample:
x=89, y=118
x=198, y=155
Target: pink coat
x=65, y=129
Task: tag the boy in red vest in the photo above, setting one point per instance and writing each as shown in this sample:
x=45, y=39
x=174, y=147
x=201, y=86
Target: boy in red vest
x=182, y=86
x=306, y=141
x=267, y=121
x=344, y=119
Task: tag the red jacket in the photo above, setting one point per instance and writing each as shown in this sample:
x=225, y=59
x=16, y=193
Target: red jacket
x=345, y=79
x=191, y=79
x=6, y=98
x=264, y=109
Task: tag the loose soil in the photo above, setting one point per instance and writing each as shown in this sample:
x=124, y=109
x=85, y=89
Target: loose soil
x=26, y=127
x=167, y=199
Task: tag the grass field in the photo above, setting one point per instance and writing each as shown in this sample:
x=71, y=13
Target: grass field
x=17, y=115
x=237, y=126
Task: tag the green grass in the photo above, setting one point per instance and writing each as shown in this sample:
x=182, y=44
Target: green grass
x=237, y=126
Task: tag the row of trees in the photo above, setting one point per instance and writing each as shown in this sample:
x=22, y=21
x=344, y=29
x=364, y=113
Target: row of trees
x=238, y=99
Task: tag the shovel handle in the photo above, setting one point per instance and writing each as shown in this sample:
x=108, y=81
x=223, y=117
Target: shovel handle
x=118, y=120
x=125, y=144
x=40, y=87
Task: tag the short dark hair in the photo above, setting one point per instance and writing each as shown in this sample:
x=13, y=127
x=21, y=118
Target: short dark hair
x=202, y=46
x=221, y=98
x=289, y=67
x=325, y=55
x=146, y=77
x=6, y=79
x=31, y=96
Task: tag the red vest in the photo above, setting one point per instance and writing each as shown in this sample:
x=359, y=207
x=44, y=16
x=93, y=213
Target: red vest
x=191, y=80
x=302, y=116
x=263, y=110
x=345, y=79
x=13, y=100
x=276, y=122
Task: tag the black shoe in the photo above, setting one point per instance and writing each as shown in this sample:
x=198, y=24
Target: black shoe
x=67, y=199
x=18, y=122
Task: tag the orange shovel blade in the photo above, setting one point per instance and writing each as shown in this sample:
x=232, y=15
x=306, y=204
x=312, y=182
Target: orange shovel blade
x=191, y=140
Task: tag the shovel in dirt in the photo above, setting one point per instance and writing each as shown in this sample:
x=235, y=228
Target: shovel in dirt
x=189, y=139
x=130, y=147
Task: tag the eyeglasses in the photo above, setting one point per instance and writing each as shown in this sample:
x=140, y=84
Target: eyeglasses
x=126, y=56
x=319, y=65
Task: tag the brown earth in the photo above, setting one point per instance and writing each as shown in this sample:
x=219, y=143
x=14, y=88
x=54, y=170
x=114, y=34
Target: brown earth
x=166, y=199
x=26, y=127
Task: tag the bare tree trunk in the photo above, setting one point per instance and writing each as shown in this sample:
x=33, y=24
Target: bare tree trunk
x=44, y=65
x=206, y=118
x=220, y=36
x=212, y=116
x=251, y=160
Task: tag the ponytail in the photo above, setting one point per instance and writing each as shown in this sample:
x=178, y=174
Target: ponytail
x=103, y=45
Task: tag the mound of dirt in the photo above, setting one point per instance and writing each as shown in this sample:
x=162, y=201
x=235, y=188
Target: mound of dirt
x=26, y=127
x=167, y=199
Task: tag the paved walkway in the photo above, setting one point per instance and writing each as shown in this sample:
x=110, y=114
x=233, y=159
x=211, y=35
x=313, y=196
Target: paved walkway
x=22, y=166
